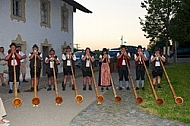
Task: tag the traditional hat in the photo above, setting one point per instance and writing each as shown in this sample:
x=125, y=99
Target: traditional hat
x=139, y=46
x=35, y=46
x=12, y=44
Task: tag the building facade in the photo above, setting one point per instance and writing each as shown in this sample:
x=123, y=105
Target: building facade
x=47, y=23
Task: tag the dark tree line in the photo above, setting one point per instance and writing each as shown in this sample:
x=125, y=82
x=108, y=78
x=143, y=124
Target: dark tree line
x=165, y=21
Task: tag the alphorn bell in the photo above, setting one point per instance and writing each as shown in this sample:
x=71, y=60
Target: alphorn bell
x=35, y=100
x=78, y=98
x=17, y=102
x=139, y=100
x=117, y=97
x=159, y=101
x=58, y=99
x=99, y=97
x=178, y=100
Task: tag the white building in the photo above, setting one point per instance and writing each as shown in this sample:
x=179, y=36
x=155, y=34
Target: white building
x=47, y=23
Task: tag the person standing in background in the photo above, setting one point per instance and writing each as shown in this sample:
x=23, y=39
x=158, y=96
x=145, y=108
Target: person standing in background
x=3, y=65
x=22, y=63
x=147, y=56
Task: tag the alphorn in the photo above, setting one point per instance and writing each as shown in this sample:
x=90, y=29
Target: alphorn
x=17, y=102
x=178, y=100
x=58, y=99
x=139, y=100
x=35, y=100
x=117, y=97
x=159, y=101
x=99, y=97
x=78, y=98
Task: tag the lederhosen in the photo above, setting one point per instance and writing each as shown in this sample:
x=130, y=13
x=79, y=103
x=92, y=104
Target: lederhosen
x=66, y=68
x=86, y=71
x=11, y=68
x=38, y=66
x=140, y=70
x=157, y=70
x=49, y=68
x=122, y=69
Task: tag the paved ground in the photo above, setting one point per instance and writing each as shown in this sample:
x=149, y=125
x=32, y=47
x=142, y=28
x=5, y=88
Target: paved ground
x=88, y=113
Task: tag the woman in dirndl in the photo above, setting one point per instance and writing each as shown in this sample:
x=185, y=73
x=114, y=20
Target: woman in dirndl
x=105, y=69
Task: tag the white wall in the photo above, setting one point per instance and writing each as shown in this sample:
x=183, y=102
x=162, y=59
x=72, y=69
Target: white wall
x=31, y=31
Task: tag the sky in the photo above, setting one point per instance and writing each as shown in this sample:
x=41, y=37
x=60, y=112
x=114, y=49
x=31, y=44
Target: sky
x=110, y=20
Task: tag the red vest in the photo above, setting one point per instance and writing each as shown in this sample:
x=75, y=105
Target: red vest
x=137, y=62
x=119, y=61
x=10, y=58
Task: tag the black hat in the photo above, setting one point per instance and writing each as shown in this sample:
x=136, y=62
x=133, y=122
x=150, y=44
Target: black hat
x=51, y=50
x=68, y=47
x=35, y=46
x=105, y=50
x=123, y=46
x=139, y=46
x=12, y=44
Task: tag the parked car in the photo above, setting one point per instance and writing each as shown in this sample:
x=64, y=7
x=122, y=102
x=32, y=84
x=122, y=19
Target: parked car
x=113, y=54
x=78, y=61
x=182, y=52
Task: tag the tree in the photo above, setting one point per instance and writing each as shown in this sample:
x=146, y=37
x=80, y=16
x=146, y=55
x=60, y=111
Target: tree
x=157, y=24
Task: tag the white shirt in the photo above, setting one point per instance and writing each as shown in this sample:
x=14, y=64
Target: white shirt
x=123, y=61
x=21, y=54
x=157, y=62
x=68, y=61
x=87, y=61
x=50, y=62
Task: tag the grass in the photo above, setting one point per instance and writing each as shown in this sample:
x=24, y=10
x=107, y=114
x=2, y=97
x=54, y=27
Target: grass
x=179, y=74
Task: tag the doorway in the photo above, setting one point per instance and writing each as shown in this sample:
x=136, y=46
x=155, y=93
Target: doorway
x=45, y=52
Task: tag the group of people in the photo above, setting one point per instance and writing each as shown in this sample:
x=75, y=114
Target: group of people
x=141, y=60
x=15, y=59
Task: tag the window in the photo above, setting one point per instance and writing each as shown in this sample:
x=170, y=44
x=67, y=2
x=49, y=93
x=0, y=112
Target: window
x=45, y=13
x=64, y=18
x=18, y=10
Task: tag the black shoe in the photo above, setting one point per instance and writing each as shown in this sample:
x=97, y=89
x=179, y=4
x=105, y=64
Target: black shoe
x=24, y=80
x=10, y=91
x=84, y=88
x=54, y=88
x=63, y=87
x=18, y=91
x=107, y=88
x=3, y=84
x=159, y=86
x=90, y=88
x=142, y=88
x=137, y=88
x=102, y=89
x=49, y=89
x=73, y=87
x=127, y=88
x=120, y=88
x=32, y=88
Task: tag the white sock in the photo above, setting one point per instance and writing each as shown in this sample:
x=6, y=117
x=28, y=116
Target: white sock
x=11, y=85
